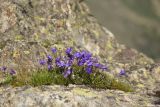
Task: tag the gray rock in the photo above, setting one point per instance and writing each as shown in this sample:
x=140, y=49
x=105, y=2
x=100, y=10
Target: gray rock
x=29, y=28
x=72, y=96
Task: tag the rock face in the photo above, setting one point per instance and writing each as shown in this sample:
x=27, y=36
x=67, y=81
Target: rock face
x=72, y=96
x=29, y=28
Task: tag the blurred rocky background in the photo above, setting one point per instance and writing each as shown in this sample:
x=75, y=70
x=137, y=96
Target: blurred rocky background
x=135, y=23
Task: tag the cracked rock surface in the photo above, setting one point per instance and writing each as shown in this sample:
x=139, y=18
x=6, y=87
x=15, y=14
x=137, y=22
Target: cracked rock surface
x=29, y=28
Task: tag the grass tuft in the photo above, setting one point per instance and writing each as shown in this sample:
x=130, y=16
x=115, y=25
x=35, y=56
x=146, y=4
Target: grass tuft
x=98, y=80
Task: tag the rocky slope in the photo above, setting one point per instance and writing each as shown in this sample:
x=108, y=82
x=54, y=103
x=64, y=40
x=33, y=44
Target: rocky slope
x=29, y=28
x=140, y=18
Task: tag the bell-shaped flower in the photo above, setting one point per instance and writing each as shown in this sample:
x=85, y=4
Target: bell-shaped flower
x=54, y=50
x=12, y=72
x=67, y=72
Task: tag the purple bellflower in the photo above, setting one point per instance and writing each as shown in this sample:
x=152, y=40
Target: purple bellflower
x=54, y=50
x=49, y=57
x=60, y=64
x=4, y=68
x=87, y=55
x=81, y=62
x=58, y=59
x=69, y=63
x=77, y=55
x=122, y=72
x=89, y=69
x=97, y=65
x=68, y=51
x=67, y=73
x=42, y=62
x=50, y=67
x=103, y=67
x=89, y=63
x=12, y=72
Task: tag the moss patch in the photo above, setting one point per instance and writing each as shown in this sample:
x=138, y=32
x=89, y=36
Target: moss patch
x=96, y=80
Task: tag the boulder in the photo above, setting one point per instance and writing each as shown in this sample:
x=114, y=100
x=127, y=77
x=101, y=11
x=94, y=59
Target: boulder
x=30, y=28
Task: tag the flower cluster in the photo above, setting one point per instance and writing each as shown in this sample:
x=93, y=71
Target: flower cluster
x=71, y=59
x=70, y=67
x=12, y=72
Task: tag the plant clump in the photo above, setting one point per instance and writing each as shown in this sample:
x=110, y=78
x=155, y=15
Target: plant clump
x=7, y=74
x=72, y=67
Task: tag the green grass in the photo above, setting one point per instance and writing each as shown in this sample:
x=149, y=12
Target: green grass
x=47, y=78
x=41, y=78
x=8, y=79
x=101, y=80
x=97, y=80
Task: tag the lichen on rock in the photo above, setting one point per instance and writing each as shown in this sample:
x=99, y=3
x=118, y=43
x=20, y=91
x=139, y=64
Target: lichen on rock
x=29, y=28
